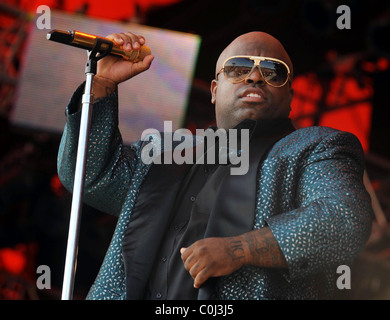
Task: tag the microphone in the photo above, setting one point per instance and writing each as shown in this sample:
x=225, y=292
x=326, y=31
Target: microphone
x=87, y=41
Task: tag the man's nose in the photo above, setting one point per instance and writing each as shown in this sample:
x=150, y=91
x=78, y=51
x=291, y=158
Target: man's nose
x=255, y=77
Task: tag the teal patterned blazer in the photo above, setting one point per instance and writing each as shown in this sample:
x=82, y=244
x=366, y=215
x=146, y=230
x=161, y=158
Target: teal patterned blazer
x=309, y=191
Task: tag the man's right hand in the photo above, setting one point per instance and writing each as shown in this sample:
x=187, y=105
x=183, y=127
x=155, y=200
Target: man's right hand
x=112, y=70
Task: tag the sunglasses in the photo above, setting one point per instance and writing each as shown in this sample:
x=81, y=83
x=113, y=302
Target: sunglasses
x=274, y=71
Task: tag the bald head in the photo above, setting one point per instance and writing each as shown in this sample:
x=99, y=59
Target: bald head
x=255, y=43
x=253, y=98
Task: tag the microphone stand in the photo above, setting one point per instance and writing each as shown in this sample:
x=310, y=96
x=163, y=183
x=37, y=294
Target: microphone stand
x=85, y=123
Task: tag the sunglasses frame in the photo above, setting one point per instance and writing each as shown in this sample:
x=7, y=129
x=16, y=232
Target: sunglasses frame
x=256, y=60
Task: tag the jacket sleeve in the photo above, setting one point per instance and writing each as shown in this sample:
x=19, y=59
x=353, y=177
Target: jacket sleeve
x=110, y=165
x=332, y=219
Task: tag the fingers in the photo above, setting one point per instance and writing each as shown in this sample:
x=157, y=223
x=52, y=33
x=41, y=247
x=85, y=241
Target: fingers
x=183, y=253
x=197, y=270
x=199, y=276
x=127, y=40
x=147, y=61
x=212, y=257
x=119, y=70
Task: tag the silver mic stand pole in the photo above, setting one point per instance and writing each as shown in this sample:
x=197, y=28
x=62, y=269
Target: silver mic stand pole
x=85, y=123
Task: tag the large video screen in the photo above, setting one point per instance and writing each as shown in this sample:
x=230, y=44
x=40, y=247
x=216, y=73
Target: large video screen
x=52, y=71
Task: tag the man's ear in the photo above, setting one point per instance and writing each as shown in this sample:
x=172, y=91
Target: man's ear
x=213, y=89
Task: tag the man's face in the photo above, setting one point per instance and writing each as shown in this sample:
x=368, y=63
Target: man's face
x=253, y=98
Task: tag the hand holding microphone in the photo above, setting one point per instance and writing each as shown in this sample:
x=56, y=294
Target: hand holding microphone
x=119, y=69
x=129, y=55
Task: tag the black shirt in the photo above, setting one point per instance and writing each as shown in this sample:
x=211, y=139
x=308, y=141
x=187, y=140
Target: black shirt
x=169, y=279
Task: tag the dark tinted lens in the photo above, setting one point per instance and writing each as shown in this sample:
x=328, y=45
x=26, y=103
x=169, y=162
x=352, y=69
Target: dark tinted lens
x=236, y=69
x=274, y=72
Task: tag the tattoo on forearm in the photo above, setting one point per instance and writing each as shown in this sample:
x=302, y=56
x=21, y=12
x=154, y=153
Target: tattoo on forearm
x=109, y=91
x=237, y=249
x=264, y=249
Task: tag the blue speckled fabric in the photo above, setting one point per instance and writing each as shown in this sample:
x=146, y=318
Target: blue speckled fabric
x=310, y=193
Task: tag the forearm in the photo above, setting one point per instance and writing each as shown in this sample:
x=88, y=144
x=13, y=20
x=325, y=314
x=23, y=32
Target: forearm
x=215, y=257
x=258, y=248
x=102, y=87
x=106, y=157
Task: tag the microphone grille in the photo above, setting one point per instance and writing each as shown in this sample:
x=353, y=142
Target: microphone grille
x=138, y=55
x=144, y=51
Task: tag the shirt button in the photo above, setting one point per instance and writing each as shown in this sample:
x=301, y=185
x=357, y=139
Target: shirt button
x=192, y=198
x=176, y=227
x=158, y=295
x=164, y=259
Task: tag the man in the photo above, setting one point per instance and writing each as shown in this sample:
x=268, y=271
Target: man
x=195, y=231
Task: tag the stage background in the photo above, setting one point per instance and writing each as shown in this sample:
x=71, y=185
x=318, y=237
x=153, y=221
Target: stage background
x=50, y=72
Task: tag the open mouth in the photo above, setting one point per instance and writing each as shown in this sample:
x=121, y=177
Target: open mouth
x=252, y=95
